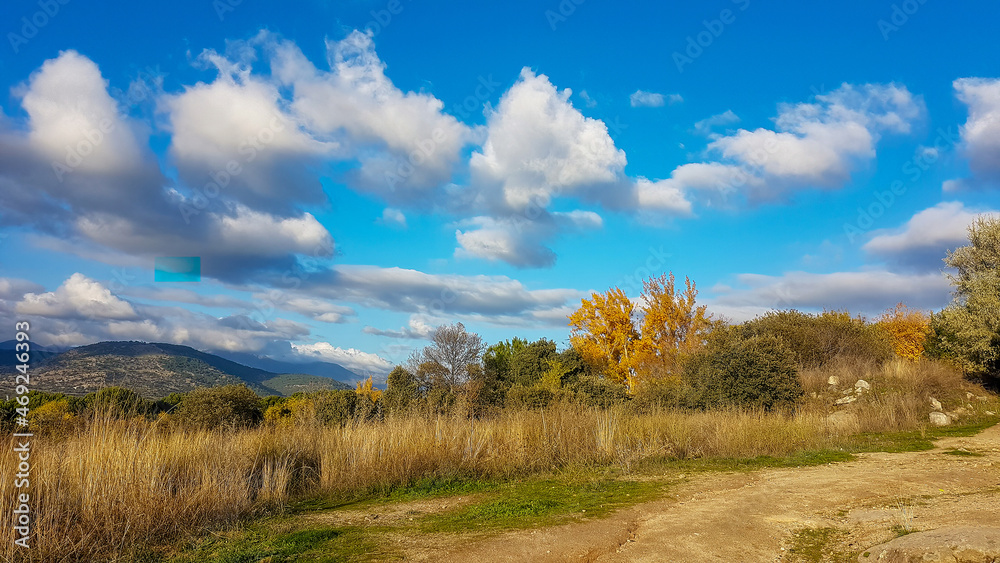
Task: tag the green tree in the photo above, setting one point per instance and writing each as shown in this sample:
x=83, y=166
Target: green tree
x=968, y=330
x=401, y=390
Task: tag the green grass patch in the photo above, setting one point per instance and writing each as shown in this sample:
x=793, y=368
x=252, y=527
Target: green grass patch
x=543, y=501
x=797, y=459
x=913, y=440
x=263, y=542
x=815, y=545
x=965, y=453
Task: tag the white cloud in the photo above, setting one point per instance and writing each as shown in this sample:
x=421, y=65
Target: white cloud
x=981, y=132
x=642, y=98
x=393, y=218
x=819, y=144
x=78, y=297
x=417, y=329
x=517, y=239
x=403, y=134
x=924, y=240
x=587, y=100
x=413, y=291
x=869, y=292
x=357, y=361
x=14, y=289
x=539, y=146
x=705, y=126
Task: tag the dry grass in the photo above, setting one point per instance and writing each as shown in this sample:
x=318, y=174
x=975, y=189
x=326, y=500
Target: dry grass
x=110, y=485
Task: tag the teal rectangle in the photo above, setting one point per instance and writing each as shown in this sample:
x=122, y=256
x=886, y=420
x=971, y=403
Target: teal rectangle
x=178, y=269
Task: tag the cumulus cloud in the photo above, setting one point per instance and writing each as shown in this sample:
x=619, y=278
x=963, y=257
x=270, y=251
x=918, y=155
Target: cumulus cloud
x=355, y=360
x=407, y=146
x=923, y=241
x=85, y=175
x=818, y=144
x=78, y=297
x=981, y=132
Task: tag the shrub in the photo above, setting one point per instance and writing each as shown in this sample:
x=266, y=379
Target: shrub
x=598, y=391
x=534, y=397
x=815, y=340
x=335, y=407
x=230, y=406
x=743, y=370
x=117, y=401
x=54, y=416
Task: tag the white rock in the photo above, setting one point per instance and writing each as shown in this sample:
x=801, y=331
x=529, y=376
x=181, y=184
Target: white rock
x=939, y=419
x=846, y=400
x=935, y=404
x=833, y=380
x=862, y=385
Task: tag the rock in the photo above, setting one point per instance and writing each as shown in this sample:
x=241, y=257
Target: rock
x=833, y=380
x=846, y=400
x=862, y=385
x=935, y=404
x=940, y=419
x=964, y=544
x=842, y=420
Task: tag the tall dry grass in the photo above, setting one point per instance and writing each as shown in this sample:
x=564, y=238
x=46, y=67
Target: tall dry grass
x=110, y=485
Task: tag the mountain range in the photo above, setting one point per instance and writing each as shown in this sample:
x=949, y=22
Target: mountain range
x=157, y=369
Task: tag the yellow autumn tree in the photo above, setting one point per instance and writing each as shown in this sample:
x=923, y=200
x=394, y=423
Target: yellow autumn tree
x=673, y=326
x=366, y=389
x=908, y=330
x=604, y=333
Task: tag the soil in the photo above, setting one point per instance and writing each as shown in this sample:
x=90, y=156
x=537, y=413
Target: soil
x=841, y=509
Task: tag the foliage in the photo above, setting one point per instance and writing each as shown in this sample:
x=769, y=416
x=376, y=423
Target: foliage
x=53, y=416
x=596, y=391
x=908, y=330
x=741, y=369
x=968, y=330
x=335, y=407
x=672, y=326
x=367, y=390
x=816, y=340
x=117, y=401
x=400, y=391
x=230, y=406
x=604, y=333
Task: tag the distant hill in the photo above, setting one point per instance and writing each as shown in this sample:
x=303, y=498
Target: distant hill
x=156, y=370
x=321, y=369
x=36, y=355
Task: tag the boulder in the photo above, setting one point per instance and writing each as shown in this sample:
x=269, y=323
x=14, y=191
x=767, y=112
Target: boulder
x=939, y=419
x=959, y=544
x=862, y=385
x=846, y=400
x=935, y=404
x=833, y=380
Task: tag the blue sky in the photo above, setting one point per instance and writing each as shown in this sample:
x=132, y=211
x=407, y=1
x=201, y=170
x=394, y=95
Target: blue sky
x=353, y=174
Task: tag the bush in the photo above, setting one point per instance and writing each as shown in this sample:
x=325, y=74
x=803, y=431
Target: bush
x=598, y=391
x=533, y=397
x=230, y=406
x=815, y=340
x=117, y=401
x=743, y=370
x=335, y=407
x=400, y=390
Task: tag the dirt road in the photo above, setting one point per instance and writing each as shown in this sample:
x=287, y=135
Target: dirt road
x=769, y=515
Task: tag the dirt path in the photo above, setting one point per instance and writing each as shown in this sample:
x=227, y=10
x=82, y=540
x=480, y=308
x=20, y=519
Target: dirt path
x=755, y=516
